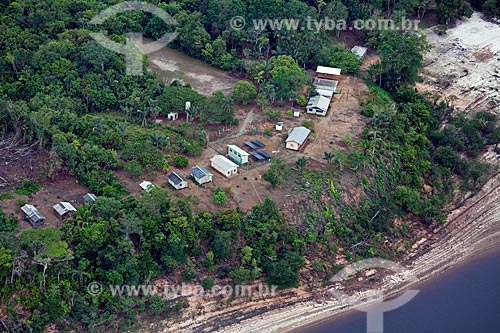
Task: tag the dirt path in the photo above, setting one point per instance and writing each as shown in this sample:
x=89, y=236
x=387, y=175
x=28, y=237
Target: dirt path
x=247, y=122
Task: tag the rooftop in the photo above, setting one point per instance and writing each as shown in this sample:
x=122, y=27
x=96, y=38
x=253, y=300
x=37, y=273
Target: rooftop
x=176, y=178
x=146, y=186
x=328, y=70
x=200, y=172
x=238, y=150
x=32, y=213
x=359, y=51
x=299, y=135
x=320, y=102
x=64, y=207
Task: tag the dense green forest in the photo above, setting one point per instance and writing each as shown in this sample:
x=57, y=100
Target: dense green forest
x=65, y=93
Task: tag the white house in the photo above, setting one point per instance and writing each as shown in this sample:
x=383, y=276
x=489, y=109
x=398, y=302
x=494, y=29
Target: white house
x=318, y=105
x=224, y=165
x=237, y=154
x=329, y=73
x=297, y=137
x=64, y=208
x=201, y=175
x=177, y=181
x=147, y=186
x=325, y=87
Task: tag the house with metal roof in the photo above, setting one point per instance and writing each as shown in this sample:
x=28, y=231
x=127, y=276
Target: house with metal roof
x=359, y=52
x=89, y=198
x=318, y=105
x=225, y=166
x=147, y=186
x=63, y=209
x=32, y=215
x=201, y=175
x=329, y=73
x=325, y=87
x=177, y=181
x=297, y=138
x=238, y=155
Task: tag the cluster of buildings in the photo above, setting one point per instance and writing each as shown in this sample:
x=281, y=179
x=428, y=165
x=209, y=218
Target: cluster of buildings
x=325, y=84
x=62, y=210
x=226, y=165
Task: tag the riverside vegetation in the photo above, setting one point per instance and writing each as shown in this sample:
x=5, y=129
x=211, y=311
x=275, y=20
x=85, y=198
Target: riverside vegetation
x=69, y=96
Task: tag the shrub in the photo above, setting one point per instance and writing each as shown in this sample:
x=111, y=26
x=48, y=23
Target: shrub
x=207, y=283
x=244, y=92
x=181, y=161
x=134, y=169
x=308, y=124
x=28, y=187
x=301, y=100
x=220, y=196
x=272, y=114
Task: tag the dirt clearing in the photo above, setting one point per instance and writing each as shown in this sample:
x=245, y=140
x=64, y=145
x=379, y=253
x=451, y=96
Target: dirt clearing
x=172, y=65
x=465, y=63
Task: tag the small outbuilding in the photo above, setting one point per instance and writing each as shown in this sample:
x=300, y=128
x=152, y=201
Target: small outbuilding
x=177, y=181
x=63, y=209
x=359, y=52
x=147, y=186
x=329, y=73
x=201, y=175
x=225, y=166
x=318, y=105
x=238, y=155
x=89, y=198
x=297, y=137
x=296, y=113
x=279, y=126
x=32, y=215
x=173, y=116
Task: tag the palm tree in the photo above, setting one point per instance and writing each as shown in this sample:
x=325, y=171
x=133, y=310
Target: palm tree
x=301, y=162
x=144, y=114
x=192, y=113
x=122, y=126
x=328, y=156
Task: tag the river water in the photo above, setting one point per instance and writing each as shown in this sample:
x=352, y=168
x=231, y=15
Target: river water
x=465, y=299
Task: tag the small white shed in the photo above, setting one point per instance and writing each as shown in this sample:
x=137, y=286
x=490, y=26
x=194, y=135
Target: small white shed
x=177, y=181
x=279, y=126
x=201, y=175
x=147, y=186
x=225, y=166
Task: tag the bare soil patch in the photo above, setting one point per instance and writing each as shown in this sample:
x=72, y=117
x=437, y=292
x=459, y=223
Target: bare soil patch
x=172, y=65
x=464, y=65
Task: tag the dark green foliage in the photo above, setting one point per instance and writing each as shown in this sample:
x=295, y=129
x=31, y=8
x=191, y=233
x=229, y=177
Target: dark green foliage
x=7, y=223
x=244, y=92
x=28, y=187
x=181, y=161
